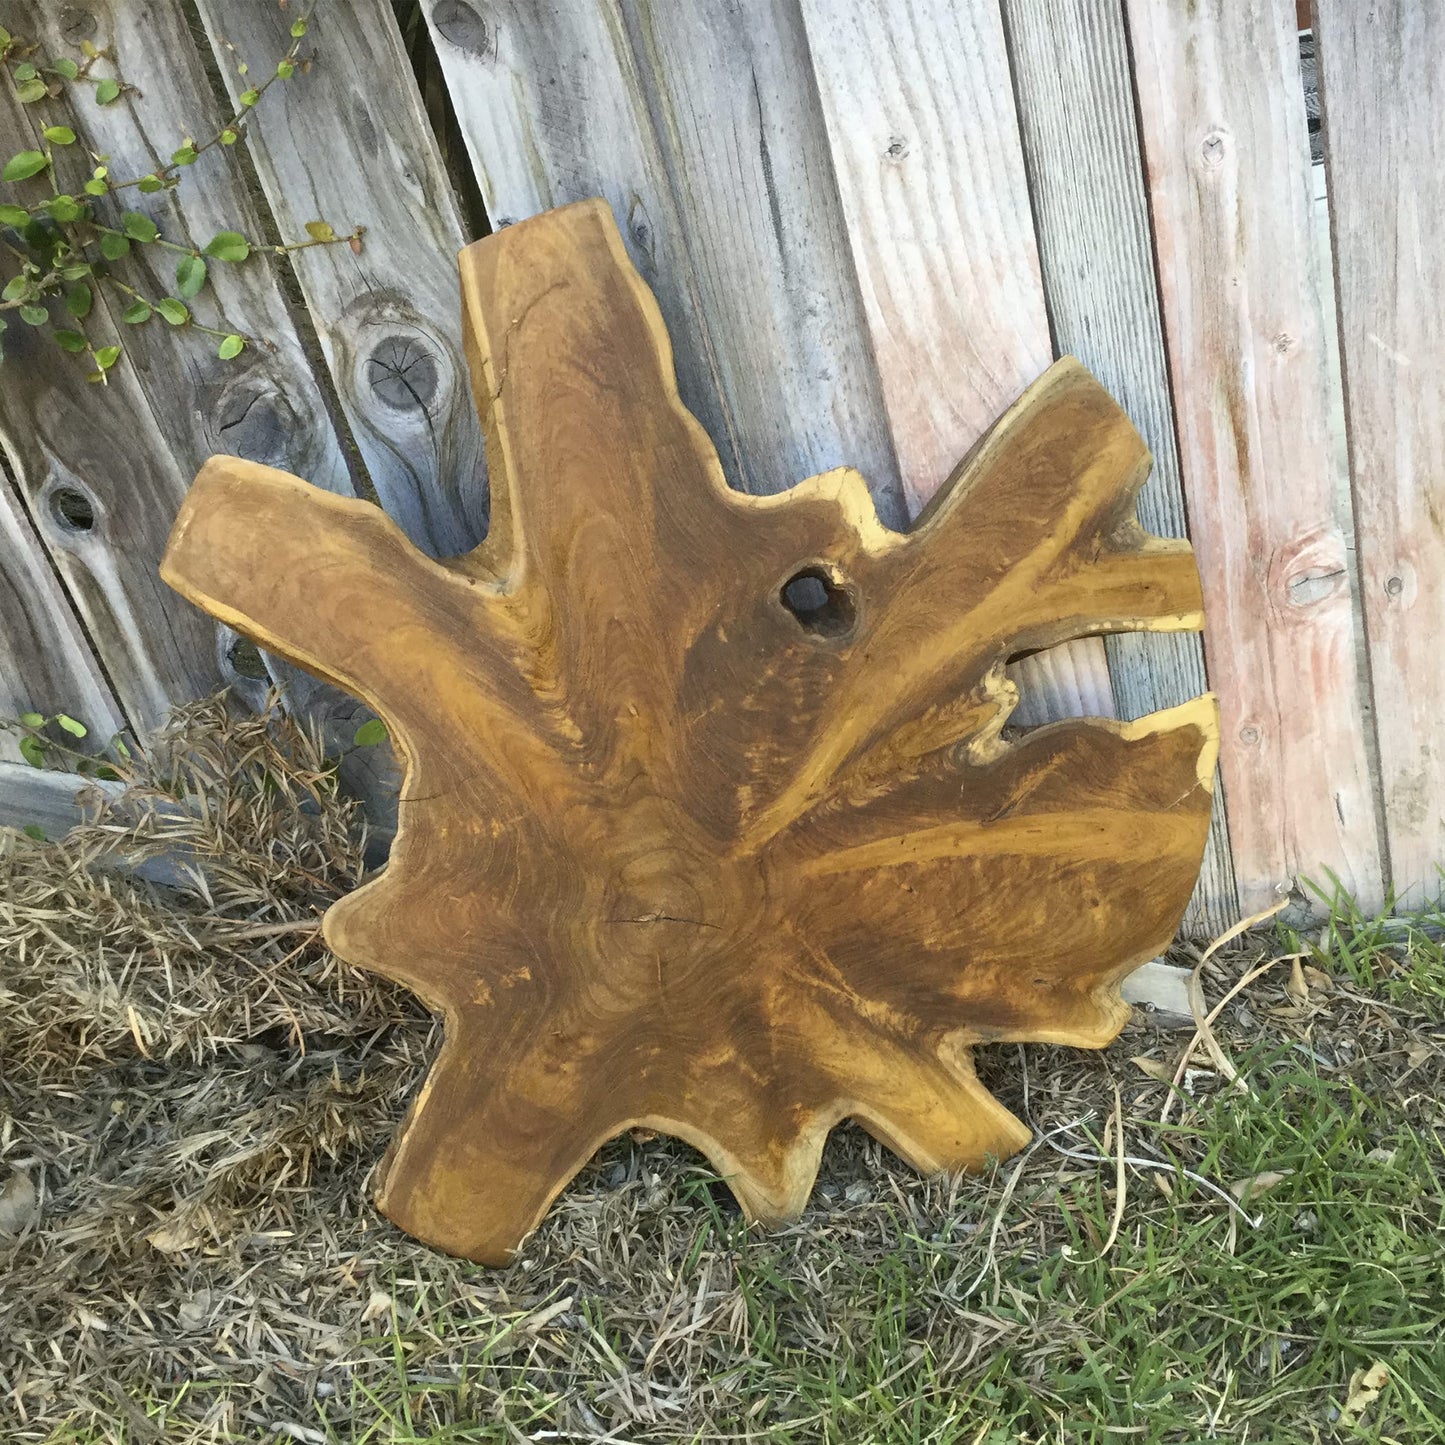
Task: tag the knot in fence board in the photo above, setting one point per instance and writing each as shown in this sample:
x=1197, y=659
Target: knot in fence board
x=708, y=821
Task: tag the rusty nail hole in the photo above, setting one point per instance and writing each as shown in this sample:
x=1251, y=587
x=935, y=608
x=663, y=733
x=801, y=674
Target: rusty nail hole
x=897, y=148
x=1394, y=586
x=71, y=508
x=1249, y=734
x=820, y=604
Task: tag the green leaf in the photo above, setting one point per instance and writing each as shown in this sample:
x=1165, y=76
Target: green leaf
x=190, y=275
x=96, y=187
x=23, y=165
x=113, y=247
x=78, y=301
x=286, y=69
x=16, y=287
x=65, y=208
x=176, y=312
x=106, y=91
x=107, y=357
x=118, y=743
x=60, y=135
x=66, y=67
x=139, y=227
x=25, y=71
x=250, y=97
x=14, y=216
x=298, y=29
x=136, y=312
x=186, y=156
x=229, y=137
x=35, y=315
x=33, y=751
x=370, y=733
x=320, y=231
x=70, y=340
x=32, y=719
x=31, y=91
x=149, y=185
x=77, y=270
x=35, y=831
x=231, y=346
x=74, y=728
x=228, y=246
x=5, y=37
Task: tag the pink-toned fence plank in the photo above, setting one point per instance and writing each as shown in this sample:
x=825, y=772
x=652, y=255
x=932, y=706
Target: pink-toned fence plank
x=1382, y=70
x=1227, y=155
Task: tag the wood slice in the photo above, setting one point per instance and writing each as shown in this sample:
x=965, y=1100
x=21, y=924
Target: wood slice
x=709, y=822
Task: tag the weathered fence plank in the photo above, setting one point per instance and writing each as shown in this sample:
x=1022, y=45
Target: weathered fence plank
x=46, y=664
x=1382, y=85
x=925, y=146
x=1222, y=117
x=692, y=123
x=1076, y=112
x=265, y=405
x=348, y=143
x=101, y=484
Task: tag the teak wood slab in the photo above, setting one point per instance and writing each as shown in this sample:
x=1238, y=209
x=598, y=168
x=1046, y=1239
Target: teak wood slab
x=686, y=843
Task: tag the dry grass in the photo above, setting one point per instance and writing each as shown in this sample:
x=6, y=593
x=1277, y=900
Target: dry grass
x=192, y=1093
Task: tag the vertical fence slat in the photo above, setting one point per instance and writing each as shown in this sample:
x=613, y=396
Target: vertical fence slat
x=1076, y=113
x=348, y=143
x=1223, y=123
x=692, y=123
x=925, y=145
x=46, y=664
x=1382, y=86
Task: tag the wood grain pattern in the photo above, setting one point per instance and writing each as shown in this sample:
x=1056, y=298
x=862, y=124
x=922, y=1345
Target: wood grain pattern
x=925, y=146
x=676, y=852
x=1382, y=81
x=1229, y=176
x=693, y=123
x=1086, y=183
x=349, y=143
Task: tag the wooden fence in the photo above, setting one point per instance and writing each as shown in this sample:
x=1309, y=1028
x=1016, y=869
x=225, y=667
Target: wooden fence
x=870, y=224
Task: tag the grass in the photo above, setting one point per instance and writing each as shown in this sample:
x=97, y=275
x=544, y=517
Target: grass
x=198, y=1102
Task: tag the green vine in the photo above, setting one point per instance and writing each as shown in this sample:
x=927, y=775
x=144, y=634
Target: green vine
x=69, y=243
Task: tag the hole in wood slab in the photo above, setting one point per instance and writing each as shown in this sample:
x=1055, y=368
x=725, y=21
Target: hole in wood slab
x=72, y=509
x=821, y=605
x=245, y=659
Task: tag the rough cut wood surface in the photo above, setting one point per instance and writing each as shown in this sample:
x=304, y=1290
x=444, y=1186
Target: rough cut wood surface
x=1223, y=125
x=925, y=146
x=676, y=853
x=1091, y=213
x=1382, y=83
